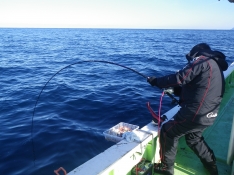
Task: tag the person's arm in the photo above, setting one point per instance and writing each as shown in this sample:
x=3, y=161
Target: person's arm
x=181, y=77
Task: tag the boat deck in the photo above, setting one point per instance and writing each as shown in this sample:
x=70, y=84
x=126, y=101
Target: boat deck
x=217, y=137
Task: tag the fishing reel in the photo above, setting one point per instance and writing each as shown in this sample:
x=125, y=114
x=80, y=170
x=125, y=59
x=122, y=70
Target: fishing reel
x=170, y=91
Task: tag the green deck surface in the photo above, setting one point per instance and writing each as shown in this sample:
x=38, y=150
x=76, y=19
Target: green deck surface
x=217, y=137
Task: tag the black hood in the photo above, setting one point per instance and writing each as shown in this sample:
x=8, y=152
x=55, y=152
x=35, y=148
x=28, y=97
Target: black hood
x=219, y=57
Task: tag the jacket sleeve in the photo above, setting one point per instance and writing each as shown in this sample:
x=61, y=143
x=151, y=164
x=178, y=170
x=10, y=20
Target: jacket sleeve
x=181, y=77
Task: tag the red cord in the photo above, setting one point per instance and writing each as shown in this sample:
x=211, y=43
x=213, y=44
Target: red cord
x=157, y=117
x=61, y=168
x=152, y=112
x=159, y=111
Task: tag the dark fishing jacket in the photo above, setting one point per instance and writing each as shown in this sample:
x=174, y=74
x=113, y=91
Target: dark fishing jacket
x=201, y=87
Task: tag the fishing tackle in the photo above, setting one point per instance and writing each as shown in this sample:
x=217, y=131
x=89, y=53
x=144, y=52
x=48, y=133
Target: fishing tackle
x=169, y=92
x=108, y=62
x=79, y=62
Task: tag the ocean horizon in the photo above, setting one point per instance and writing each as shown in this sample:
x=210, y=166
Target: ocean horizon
x=84, y=99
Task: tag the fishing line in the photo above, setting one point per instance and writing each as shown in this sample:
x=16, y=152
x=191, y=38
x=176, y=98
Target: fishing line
x=79, y=62
x=99, y=61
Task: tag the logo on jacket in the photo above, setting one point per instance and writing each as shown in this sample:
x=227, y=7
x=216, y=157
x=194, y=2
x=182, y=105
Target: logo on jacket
x=211, y=114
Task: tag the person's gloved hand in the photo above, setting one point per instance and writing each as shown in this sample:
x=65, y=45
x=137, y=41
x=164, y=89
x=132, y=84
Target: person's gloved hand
x=152, y=81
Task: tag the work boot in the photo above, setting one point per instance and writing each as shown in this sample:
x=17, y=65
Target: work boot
x=162, y=168
x=211, y=167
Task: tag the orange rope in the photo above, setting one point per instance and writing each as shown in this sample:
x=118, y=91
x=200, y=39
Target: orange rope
x=61, y=168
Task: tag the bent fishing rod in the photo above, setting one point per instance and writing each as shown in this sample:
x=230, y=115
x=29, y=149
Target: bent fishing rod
x=79, y=62
x=99, y=61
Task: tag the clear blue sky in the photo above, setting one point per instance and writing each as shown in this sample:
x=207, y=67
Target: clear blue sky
x=156, y=14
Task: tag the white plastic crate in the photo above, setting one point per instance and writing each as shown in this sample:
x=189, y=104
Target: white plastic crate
x=115, y=133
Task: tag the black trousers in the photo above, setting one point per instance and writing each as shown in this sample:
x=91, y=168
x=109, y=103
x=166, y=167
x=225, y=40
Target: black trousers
x=173, y=130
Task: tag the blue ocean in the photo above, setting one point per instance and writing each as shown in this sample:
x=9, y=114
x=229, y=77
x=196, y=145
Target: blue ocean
x=55, y=104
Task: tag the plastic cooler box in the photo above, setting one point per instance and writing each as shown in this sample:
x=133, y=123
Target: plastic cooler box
x=115, y=133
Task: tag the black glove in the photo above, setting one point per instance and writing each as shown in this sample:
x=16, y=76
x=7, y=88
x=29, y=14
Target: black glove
x=152, y=81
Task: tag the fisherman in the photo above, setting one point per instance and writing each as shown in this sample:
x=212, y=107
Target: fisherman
x=200, y=86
